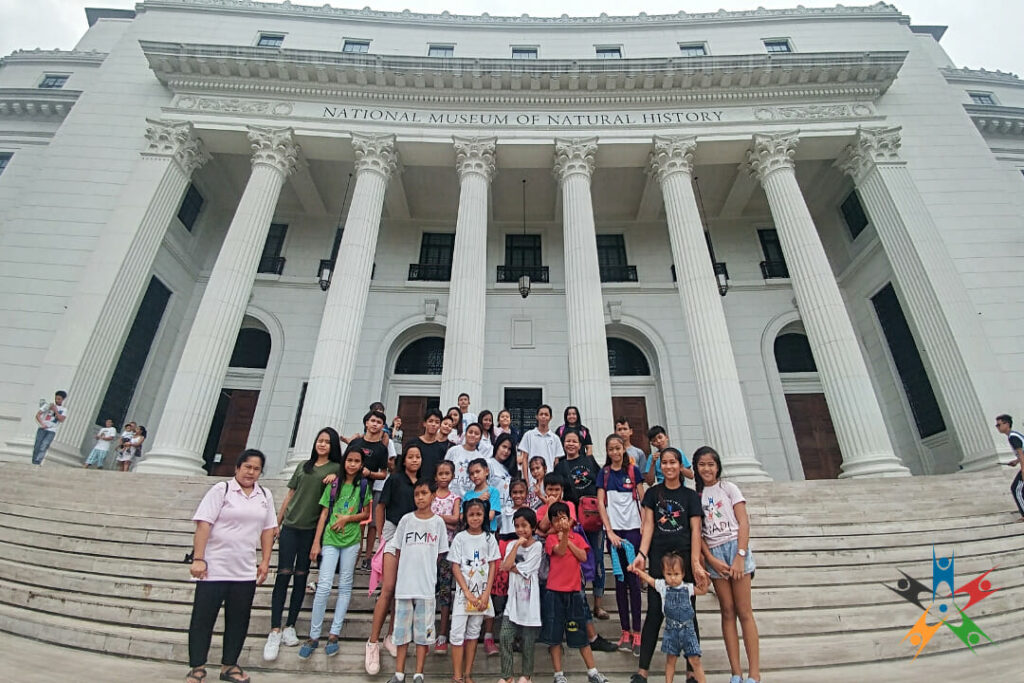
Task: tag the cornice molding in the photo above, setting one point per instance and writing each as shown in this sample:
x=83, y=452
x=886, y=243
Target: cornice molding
x=879, y=10
x=475, y=155
x=983, y=75
x=672, y=155
x=35, y=103
x=50, y=57
x=310, y=73
x=574, y=156
x=772, y=152
x=1000, y=121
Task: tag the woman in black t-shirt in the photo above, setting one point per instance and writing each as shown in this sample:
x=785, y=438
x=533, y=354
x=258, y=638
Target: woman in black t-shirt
x=573, y=422
x=672, y=521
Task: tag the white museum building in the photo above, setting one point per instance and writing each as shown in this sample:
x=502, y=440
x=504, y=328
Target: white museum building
x=796, y=235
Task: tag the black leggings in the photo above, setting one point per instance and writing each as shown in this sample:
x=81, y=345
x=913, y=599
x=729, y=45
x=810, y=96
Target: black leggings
x=655, y=615
x=236, y=596
x=292, y=561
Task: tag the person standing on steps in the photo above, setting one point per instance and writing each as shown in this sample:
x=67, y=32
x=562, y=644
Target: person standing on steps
x=233, y=518
x=375, y=468
x=103, y=439
x=572, y=422
x=297, y=519
x=433, y=447
x=540, y=441
x=468, y=417
x=48, y=417
x=1004, y=423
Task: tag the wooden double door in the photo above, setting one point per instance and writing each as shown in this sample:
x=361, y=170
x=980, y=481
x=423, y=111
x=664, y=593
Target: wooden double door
x=412, y=409
x=815, y=436
x=229, y=432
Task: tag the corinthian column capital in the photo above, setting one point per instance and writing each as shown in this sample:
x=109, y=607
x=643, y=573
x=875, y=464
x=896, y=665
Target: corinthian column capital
x=672, y=155
x=771, y=152
x=575, y=156
x=375, y=153
x=177, y=140
x=475, y=155
x=871, y=146
x=275, y=147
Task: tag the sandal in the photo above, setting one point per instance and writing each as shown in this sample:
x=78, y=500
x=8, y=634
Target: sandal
x=600, y=613
x=235, y=675
x=196, y=675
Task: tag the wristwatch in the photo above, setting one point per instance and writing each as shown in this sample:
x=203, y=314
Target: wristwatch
x=741, y=553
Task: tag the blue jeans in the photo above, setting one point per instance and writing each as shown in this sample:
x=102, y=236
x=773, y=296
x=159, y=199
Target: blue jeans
x=44, y=437
x=331, y=558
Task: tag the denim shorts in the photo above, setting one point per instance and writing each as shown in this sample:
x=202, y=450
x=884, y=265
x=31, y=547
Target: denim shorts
x=680, y=638
x=727, y=553
x=565, y=617
x=414, y=621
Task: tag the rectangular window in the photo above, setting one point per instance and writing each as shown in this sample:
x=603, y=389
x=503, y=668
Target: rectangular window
x=53, y=81
x=982, y=98
x=523, y=404
x=122, y=385
x=611, y=259
x=271, y=261
x=907, y=359
x=609, y=53
x=435, y=262
x=441, y=51
x=298, y=415
x=190, y=207
x=524, y=53
x=774, y=264
x=5, y=158
x=853, y=214
x=777, y=45
x=693, y=50
x=522, y=250
x=356, y=46
x=270, y=40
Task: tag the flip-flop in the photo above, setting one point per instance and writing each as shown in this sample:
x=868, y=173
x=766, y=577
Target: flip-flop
x=197, y=673
x=234, y=675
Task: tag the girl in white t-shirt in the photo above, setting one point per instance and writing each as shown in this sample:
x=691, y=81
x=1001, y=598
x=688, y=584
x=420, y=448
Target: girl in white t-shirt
x=474, y=556
x=522, y=611
x=725, y=544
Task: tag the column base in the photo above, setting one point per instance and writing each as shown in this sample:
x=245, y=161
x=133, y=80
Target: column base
x=295, y=458
x=172, y=461
x=878, y=465
x=976, y=462
x=19, y=449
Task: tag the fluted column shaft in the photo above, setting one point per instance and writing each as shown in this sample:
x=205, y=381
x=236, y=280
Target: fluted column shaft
x=928, y=283
x=856, y=414
x=718, y=384
x=104, y=302
x=463, y=369
x=188, y=412
x=589, y=381
x=337, y=343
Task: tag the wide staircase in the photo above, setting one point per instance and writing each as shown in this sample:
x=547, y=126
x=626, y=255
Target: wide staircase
x=93, y=560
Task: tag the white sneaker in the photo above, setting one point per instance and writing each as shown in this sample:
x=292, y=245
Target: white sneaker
x=389, y=645
x=289, y=637
x=371, y=660
x=272, y=647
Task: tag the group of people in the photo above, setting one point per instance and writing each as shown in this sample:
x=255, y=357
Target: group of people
x=128, y=446
x=517, y=527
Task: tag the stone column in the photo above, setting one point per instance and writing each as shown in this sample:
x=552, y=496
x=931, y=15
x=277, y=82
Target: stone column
x=93, y=329
x=330, y=377
x=929, y=286
x=856, y=414
x=463, y=369
x=726, y=426
x=590, y=385
x=188, y=412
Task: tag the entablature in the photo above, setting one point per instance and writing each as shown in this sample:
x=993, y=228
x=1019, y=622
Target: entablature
x=995, y=120
x=53, y=58
x=35, y=103
x=983, y=76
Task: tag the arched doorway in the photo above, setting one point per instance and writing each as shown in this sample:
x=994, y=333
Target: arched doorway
x=414, y=384
x=635, y=392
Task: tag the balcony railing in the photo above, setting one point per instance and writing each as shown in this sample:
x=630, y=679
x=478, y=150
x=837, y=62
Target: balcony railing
x=774, y=269
x=430, y=272
x=611, y=273
x=513, y=273
x=271, y=264
x=720, y=268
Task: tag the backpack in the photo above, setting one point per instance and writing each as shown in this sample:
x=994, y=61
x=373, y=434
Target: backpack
x=336, y=487
x=588, y=567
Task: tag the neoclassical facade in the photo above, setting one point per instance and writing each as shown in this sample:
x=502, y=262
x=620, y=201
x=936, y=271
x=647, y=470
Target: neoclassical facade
x=792, y=234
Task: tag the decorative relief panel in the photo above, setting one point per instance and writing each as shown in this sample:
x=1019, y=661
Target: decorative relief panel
x=813, y=112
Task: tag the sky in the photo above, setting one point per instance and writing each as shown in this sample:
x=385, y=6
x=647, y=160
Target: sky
x=982, y=33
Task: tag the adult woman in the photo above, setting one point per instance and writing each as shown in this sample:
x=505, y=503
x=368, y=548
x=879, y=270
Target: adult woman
x=231, y=519
x=505, y=455
x=297, y=518
x=455, y=415
x=573, y=422
x=505, y=426
x=133, y=449
x=487, y=433
x=671, y=521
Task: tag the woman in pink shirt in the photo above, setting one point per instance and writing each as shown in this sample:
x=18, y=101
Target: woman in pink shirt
x=232, y=518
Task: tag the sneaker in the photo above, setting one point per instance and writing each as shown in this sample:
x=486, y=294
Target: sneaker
x=308, y=647
x=736, y=679
x=371, y=660
x=636, y=644
x=596, y=677
x=332, y=647
x=638, y=678
x=417, y=678
x=289, y=637
x=441, y=646
x=599, y=644
x=389, y=645
x=625, y=643
x=559, y=678
x=489, y=647
x=395, y=679
x=272, y=647
x=751, y=680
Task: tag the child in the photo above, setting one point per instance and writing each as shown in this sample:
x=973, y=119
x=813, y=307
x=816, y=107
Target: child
x=478, y=474
x=618, y=495
x=535, y=494
x=554, y=492
x=506, y=535
x=725, y=536
x=397, y=434
x=346, y=503
x=659, y=442
x=474, y=555
x=420, y=537
x=522, y=611
x=458, y=428
x=518, y=493
x=103, y=438
x=446, y=506
x=623, y=429
x=679, y=635
x=563, y=608
x=124, y=451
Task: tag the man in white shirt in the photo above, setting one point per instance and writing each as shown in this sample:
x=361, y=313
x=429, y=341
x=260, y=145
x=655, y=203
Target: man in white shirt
x=540, y=441
x=48, y=418
x=103, y=438
x=468, y=418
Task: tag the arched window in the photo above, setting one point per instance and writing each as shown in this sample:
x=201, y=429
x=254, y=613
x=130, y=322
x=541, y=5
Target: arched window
x=252, y=349
x=422, y=357
x=793, y=353
x=625, y=359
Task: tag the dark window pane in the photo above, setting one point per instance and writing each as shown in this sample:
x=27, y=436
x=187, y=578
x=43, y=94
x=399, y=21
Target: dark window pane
x=5, y=158
x=609, y=53
x=611, y=250
x=422, y=357
x=777, y=46
x=133, y=357
x=522, y=250
x=356, y=46
x=190, y=207
x=625, y=359
x=524, y=53
x=909, y=366
x=793, y=353
x=252, y=349
x=774, y=264
x=853, y=214
x=441, y=51
x=271, y=260
x=298, y=415
x=523, y=405
x=50, y=81
x=436, y=248
x=270, y=40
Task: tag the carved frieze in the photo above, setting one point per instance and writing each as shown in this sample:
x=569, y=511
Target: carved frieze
x=813, y=112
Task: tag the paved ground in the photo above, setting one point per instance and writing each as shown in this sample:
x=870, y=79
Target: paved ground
x=22, y=660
